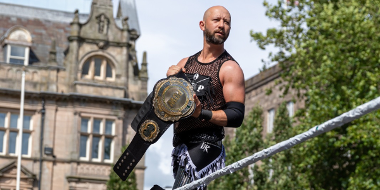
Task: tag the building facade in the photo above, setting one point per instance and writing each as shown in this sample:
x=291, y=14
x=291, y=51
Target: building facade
x=256, y=94
x=83, y=88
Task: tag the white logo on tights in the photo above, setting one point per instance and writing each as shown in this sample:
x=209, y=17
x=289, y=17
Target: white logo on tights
x=205, y=147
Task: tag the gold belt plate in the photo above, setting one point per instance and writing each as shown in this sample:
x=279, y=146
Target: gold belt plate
x=173, y=99
x=149, y=130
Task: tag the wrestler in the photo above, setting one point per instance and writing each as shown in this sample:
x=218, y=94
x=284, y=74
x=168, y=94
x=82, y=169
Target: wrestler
x=218, y=83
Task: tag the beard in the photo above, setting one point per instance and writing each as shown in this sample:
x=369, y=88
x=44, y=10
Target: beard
x=211, y=37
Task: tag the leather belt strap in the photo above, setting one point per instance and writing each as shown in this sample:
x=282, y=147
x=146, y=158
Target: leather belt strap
x=147, y=105
x=149, y=127
x=129, y=159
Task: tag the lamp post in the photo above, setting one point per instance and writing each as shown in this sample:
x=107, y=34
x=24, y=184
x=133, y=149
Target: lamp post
x=21, y=126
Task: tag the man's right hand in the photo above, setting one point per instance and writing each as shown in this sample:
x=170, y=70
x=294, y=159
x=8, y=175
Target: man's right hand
x=174, y=69
x=198, y=107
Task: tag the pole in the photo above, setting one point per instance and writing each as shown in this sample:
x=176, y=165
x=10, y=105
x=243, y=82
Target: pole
x=21, y=126
x=41, y=141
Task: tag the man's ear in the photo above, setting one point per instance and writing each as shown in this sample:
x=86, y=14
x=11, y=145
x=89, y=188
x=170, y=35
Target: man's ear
x=202, y=25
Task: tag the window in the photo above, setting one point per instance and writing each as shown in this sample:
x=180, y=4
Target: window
x=9, y=129
x=270, y=120
x=96, y=139
x=17, y=42
x=17, y=55
x=97, y=68
x=290, y=107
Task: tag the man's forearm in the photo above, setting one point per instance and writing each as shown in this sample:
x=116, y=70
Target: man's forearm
x=219, y=118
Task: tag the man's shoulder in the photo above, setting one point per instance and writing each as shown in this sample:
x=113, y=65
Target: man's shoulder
x=231, y=68
x=183, y=61
x=230, y=64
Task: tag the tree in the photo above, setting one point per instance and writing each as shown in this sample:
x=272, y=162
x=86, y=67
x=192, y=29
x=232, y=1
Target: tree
x=115, y=183
x=278, y=171
x=329, y=51
x=248, y=140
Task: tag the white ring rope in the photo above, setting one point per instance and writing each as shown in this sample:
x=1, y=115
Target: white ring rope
x=313, y=132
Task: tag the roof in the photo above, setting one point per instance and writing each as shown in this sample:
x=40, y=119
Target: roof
x=43, y=24
x=127, y=8
x=263, y=78
x=39, y=13
x=46, y=25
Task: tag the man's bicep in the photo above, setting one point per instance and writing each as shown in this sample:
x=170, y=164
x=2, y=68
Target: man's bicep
x=234, y=92
x=233, y=84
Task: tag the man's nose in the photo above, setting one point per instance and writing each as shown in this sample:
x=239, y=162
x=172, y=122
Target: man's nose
x=221, y=24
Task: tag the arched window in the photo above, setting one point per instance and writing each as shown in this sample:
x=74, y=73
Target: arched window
x=17, y=41
x=98, y=67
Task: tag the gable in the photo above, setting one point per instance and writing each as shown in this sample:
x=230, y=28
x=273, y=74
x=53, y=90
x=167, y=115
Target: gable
x=8, y=177
x=10, y=170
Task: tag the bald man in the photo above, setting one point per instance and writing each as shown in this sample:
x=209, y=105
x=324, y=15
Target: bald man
x=218, y=84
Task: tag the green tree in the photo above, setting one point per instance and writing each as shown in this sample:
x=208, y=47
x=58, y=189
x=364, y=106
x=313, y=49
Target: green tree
x=329, y=51
x=284, y=174
x=115, y=183
x=247, y=141
x=278, y=171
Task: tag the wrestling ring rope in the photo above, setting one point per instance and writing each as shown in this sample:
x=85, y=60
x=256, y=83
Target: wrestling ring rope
x=313, y=132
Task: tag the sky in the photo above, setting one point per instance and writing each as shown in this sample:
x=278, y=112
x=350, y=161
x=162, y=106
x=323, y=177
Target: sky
x=169, y=32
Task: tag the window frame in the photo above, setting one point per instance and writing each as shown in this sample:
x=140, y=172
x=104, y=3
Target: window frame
x=8, y=130
x=102, y=135
x=20, y=37
x=5, y=139
x=87, y=134
x=103, y=69
x=100, y=145
x=112, y=136
x=9, y=56
x=290, y=108
x=270, y=120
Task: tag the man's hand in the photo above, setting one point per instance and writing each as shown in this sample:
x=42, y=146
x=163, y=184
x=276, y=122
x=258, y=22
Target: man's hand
x=174, y=69
x=198, y=107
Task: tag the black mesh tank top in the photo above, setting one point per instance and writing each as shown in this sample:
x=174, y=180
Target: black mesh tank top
x=207, y=86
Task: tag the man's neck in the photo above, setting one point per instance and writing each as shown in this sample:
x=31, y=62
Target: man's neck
x=210, y=52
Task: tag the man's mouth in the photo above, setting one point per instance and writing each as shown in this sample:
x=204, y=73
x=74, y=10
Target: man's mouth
x=220, y=32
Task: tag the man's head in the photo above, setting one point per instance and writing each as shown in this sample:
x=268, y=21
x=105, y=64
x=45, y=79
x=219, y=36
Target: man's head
x=216, y=24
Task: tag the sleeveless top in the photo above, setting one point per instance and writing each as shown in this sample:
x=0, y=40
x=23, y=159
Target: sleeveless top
x=206, y=84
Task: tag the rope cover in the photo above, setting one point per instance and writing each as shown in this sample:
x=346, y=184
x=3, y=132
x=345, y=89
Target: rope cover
x=284, y=145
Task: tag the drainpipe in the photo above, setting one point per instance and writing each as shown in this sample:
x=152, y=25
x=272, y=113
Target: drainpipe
x=41, y=141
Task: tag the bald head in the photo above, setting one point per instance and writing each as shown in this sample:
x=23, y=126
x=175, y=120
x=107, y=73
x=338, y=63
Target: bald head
x=216, y=10
x=216, y=25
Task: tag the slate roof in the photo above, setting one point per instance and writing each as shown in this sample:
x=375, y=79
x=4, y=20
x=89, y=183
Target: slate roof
x=127, y=8
x=39, y=13
x=45, y=25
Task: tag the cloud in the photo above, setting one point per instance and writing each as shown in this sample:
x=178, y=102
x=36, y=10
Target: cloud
x=163, y=149
x=158, y=162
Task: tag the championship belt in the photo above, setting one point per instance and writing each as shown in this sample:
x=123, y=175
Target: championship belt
x=171, y=100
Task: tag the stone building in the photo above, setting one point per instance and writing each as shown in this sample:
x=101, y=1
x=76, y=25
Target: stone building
x=256, y=94
x=83, y=88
